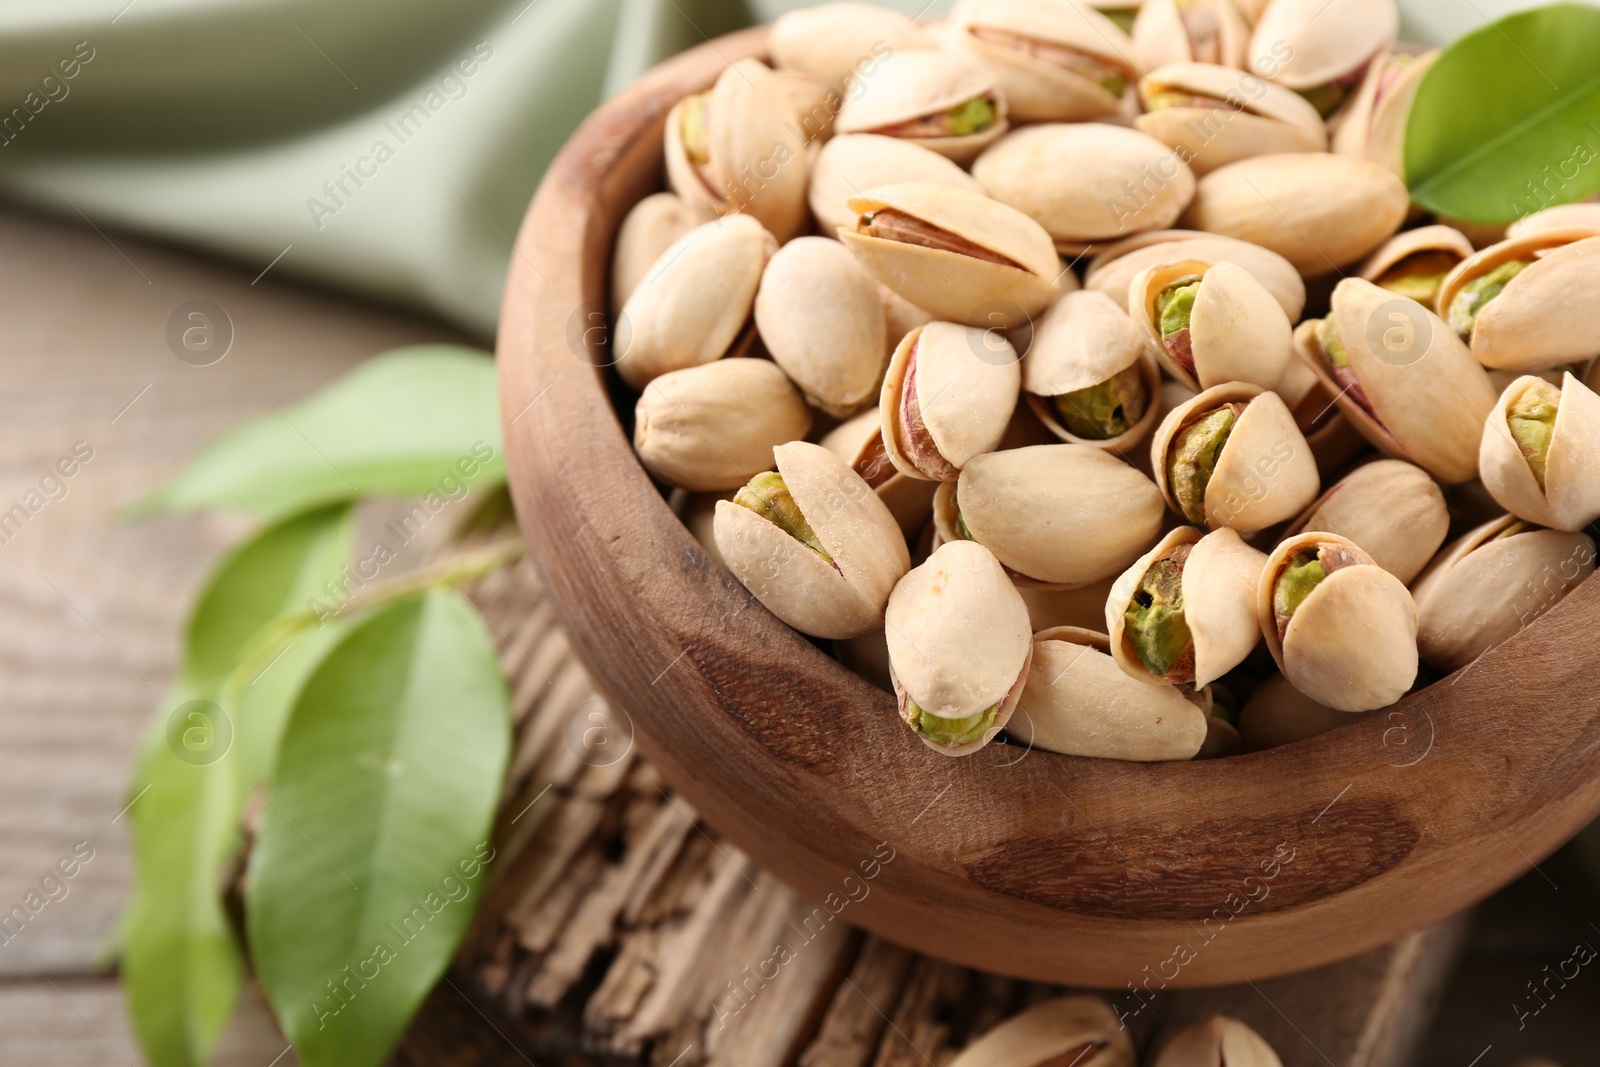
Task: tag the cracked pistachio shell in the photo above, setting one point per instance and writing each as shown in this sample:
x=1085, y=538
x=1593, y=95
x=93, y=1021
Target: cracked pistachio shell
x=1351, y=645
x=1261, y=118
x=1427, y=408
x=839, y=42
x=1105, y=162
x=1279, y=714
x=1237, y=331
x=852, y=162
x=1219, y=603
x=1114, y=266
x=1085, y=339
x=1265, y=473
x=715, y=426
x=959, y=640
x=952, y=285
x=819, y=315
x=918, y=83
x=1190, y=31
x=649, y=229
x=1219, y=1041
x=1317, y=210
x=965, y=398
x=838, y=599
x=1054, y=515
x=859, y=442
x=756, y=150
x=1017, y=40
x=1569, y=498
x=1584, y=216
x=1424, y=248
x=1391, y=509
x=668, y=322
x=1374, y=125
x=1304, y=44
x=1485, y=587
x=1079, y=1030
x=1545, y=315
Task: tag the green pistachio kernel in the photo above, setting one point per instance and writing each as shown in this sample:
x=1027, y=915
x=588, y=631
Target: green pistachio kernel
x=970, y=117
x=1115, y=84
x=1532, y=417
x=1469, y=302
x=767, y=496
x=1296, y=581
x=942, y=731
x=1122, y=16
x=1154, y=621
x=1518, y=527
x=1160, y=101
x=1332, y=344
x=694, y=130
x=1327, y=98
x=1176, y=304
x=1105, y=410
x=1418, y=277
x=1192, y=459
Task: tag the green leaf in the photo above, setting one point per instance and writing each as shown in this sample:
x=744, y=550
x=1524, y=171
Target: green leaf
x=415, y=422
x=1508, y=120
x=368, y=865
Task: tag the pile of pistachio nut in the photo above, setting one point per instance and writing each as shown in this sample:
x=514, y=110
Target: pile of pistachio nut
x=1089, y=358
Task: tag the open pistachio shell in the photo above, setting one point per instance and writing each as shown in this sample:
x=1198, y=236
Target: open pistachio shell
x=1053, y=515
x=959, y=647
x=1279, y=714
x=819, y=315
x=1322, y=49
x=1079, y=1030
x=843, y=42
x=668, y=323
x=1054, y=62
x=1213, y=115
x=1261, y=469
x=1114, y=266
x=945, y=400
x=1540, y=316
x=1540, y=456
x=1583, y=216
x=1319, y=211
x=1219, y=1041
x=652, y=226
x=935, y=98
x=715, y=426
x=850, y=163
x=958, y=254
x=859, y=442
x=822, y=553
x=1105, y=162
x=1415, y=263
x=1374, y=125
x=1409, y=384
x=1350, y=642
x=1223, y=327
x=1190, y=31
x=1088, y=375
x=1491, y=583
x=1391, y=509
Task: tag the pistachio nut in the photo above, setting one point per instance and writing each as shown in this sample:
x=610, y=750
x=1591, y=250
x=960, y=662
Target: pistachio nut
x=1214, y=115
x=1185, y=612
x=959, y=648
x=1334, y=441
x=1114, y=266
x=738, y=147
x=1540, y=456
x=1054, y=515
x=1321, y=50
x=943, y=404
x=1279, y=714
x=1401, y=377
x=841, y=44
x=1391, y=509
x=1222, y=736
x=1083, y=607
x=814, y=103
x=1319, y=211
x=1233, y=456
x=1517, y=303
x=901, y=316
x=852, y=162
x=713, y=427
x=1078, y=1030
x=1054, y=62
x=954, y=253
x=1415, y=263
x=698, y=512
x=651, y=227
x=1342, y=629
x=1190, y=31
x=933, y=98
x=859, y=442
x=1493, y=581
x=820, y=317
x=667, y=323
x=1581, y=216
x=1251, y=9
x=1105, y=162
x=1219, y=1041
x=1374, y=126
x=813, y=543
x=1211, y=323
x=1088, y=376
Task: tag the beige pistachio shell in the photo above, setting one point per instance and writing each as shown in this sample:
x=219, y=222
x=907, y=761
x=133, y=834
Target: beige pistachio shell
x=715, y=426
x=901, y=317
x=1543, y=315
x=1054, y=515
x=1374, y=125
x=1084, y=607
x=814, y=103
x=1485, y=587
x=652, y=226
x=838, y=599
x=1393, y=510
x=917, y=83
x=1114, y=266
x=1265, y=473
x=842, y=43
x=1569, y=498
x=1057, y=1031
x=952, y=285
x=1237, y=331
x=1219, y=1041
x=965, y=396
x=859, y=442
x=1352, y=643
x=668, y=323
x=1258, y=118
x=1085, y=339
x=1584, y=216
x=1032, y=47
x=1416, y=249
x=819, y=315
x=1190, y=31
x=854, y=162
x=1304, y=44
x=959, y=639
x=1105, y=163
x=1279, y=714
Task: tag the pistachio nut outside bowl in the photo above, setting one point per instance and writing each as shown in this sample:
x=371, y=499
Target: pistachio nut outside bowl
x=1026, y=863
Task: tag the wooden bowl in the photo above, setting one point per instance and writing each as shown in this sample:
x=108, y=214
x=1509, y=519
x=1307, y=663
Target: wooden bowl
x=1046, y=867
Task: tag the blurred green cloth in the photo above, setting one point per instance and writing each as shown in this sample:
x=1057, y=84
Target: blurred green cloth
x=389, y=148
